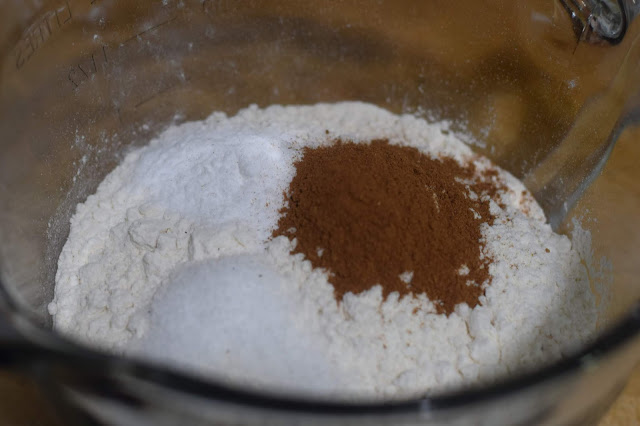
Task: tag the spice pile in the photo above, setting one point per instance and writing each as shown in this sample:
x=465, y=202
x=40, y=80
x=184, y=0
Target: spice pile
x=336, y=250
x=383, y=214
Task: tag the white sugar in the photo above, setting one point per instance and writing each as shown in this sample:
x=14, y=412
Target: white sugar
x=234, y=314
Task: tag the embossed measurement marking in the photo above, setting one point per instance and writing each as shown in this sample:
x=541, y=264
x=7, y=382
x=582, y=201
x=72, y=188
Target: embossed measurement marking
x=89, y=66
x=36, y=36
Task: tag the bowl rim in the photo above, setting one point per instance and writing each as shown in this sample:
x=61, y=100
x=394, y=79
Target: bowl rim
x=91, y=367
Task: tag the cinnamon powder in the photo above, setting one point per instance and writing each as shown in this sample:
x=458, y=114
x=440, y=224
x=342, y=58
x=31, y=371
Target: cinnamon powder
x=385, y=214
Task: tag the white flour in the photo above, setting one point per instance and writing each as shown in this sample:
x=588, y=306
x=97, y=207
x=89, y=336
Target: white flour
x=171, y=259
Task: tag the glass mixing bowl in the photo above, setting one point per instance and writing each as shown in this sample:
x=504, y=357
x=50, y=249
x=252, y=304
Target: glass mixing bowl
x=543, y=87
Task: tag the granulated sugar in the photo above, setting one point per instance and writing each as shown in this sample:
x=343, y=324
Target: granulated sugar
x=172, y=259
x=247, y=317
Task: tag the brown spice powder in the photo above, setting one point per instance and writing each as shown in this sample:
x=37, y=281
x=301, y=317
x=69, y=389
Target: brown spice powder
x=369, y=213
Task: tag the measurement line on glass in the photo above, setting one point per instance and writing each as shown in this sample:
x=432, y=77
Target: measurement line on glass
x=216, y=7
x=83, y=71
x=160, y=92
x=156, y=26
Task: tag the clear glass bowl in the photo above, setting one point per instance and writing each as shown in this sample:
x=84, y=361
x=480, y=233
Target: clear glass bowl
x=542, y=87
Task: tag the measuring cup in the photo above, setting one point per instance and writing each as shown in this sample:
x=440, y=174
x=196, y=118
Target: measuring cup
x=542, y=87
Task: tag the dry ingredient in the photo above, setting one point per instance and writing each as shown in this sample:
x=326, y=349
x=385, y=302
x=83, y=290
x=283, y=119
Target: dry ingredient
x=383, y=214
x=175, y=258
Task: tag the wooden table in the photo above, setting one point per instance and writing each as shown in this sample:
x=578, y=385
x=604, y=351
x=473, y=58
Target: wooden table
x=21, y=402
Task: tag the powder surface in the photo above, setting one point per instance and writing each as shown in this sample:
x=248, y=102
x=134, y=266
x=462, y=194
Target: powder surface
x=235, y=289
x=390, y=215
x=173, y=259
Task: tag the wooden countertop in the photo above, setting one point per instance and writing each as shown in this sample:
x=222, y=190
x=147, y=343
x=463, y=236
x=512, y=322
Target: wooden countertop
x=23, y=404
x=623, y=174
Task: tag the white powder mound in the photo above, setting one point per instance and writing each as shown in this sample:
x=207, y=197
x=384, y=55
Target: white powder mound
x=242, y=301
x=171, y=259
